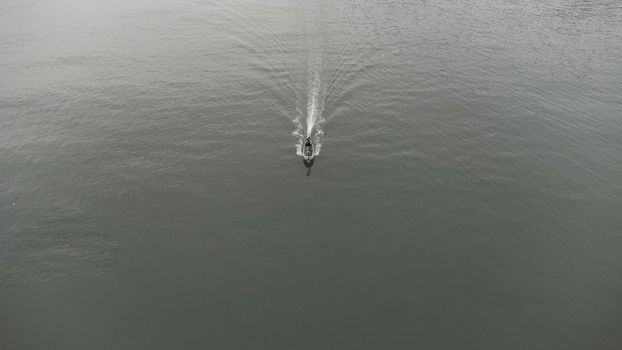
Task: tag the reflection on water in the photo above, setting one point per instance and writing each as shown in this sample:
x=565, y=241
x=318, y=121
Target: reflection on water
x=308, y=165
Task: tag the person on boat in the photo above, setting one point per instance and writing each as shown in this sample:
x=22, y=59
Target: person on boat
x=308, y=150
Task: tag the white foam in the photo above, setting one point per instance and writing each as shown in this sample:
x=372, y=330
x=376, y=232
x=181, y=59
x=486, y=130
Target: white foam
x=313, y=102
x=314, y=119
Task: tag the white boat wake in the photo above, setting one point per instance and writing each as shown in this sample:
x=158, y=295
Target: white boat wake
x=314, y=120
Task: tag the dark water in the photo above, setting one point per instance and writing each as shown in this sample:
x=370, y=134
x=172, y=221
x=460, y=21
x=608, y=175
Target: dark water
x=467, y=193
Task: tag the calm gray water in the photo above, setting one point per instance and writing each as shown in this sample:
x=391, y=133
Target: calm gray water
x=466, y=192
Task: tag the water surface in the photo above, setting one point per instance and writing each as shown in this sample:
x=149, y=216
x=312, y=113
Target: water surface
x=466, y=191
